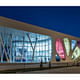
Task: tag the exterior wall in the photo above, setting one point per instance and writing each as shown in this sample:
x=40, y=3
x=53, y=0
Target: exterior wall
x=35, y=29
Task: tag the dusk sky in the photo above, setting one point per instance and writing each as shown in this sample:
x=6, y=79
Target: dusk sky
x=61, y=19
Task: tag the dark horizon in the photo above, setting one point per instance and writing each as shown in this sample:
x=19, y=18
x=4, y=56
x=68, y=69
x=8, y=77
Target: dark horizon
x=60, y=19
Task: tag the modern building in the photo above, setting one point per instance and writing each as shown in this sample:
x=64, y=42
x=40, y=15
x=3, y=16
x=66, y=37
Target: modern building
x=25, y=43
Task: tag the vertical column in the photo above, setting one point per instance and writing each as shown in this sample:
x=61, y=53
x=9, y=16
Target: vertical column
x=71, y=52
x=22, y=51
x=54, y=49
x=0, y=50
x=10, y=58
x=68, y=59
x=14, y=57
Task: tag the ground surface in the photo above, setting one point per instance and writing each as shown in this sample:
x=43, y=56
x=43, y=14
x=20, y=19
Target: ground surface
x=35, y=68
x=75, y=69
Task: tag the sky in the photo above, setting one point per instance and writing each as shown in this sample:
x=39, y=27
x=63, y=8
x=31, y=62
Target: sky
x=60, y=19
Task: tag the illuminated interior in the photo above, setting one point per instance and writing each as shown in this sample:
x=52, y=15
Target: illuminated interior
x=60, y=49
x=19, y=46
x=73, y=44
x=67, y=46
x=76, y=53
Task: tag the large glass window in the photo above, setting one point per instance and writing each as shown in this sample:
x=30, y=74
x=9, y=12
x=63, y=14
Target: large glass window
x=19, y=46
x=76, y=53
x=67, y=46
x=60, y=49
x=73, y=44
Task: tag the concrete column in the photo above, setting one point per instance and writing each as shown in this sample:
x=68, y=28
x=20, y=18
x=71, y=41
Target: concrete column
x=54, y=50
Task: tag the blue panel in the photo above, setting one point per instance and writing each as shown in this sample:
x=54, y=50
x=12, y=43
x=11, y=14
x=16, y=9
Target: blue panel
x=73, y=44
x=57, y=57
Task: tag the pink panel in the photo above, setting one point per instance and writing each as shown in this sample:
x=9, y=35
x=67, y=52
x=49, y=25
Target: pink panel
x=60, y=49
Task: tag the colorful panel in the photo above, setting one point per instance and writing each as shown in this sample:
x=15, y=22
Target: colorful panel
x=57, y=57
x=76, y=53
x=67, y=46
x=73, y=44
x=78, y=43
x=60, y=49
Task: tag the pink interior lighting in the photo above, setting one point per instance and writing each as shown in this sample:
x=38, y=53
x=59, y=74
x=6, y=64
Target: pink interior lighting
x=60, y=49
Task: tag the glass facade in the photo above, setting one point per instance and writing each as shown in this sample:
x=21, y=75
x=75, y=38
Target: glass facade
x=63, y=49
x=75, y=49
x=78, y=43
x=76, y=53
x=73, y=44
x=60, y=49
x=19, y=46
x=67, y=46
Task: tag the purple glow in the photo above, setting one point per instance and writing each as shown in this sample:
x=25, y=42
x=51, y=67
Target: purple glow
x=78, y=43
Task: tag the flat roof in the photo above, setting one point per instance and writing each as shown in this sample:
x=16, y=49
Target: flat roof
x=7, y=22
